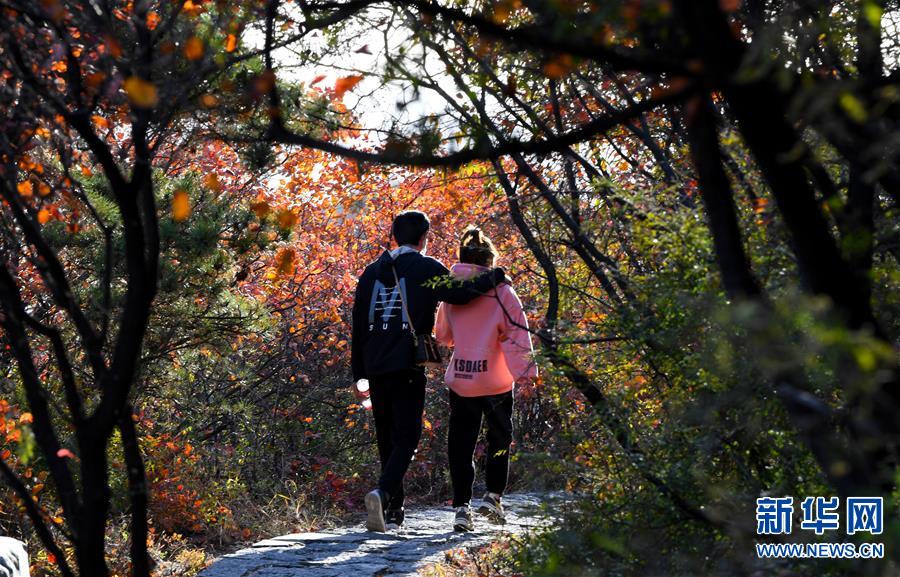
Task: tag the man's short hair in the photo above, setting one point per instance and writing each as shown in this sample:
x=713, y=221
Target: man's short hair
x=409, y=227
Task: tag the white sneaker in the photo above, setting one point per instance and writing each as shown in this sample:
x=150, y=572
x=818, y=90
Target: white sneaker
x=492, y=509
x=375, y=511
x=393, y=519
x=463, y=520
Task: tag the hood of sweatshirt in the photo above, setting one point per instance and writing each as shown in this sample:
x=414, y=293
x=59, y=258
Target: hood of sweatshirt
x=400, y=258
x=466, y=271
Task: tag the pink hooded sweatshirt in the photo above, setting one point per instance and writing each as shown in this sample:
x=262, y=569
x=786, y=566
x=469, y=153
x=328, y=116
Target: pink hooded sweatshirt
x=492, y=345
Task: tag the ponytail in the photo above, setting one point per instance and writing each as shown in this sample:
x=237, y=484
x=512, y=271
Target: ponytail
x=476, y=248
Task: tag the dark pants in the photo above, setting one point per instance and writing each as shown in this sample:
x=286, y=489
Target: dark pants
x=398, y=400
x=465, y=424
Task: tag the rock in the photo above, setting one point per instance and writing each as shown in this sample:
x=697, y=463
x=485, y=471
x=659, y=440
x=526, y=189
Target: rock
x=13, y=558
x=424, y=539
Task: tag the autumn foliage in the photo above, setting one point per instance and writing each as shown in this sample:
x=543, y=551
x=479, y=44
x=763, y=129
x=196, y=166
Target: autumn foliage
x=696, y=201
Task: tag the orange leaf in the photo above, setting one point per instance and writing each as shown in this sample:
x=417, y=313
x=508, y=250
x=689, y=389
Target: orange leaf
x=26, y=418
x=209, y=100
x=43, y=216
x=192, y=8
x=261, y=208
x=231, y=43
x=152, y=20
x=193, y=48
x=286, y=218
x=503, y=10
x=141, y=93
x=100, y=121
x=181, y=205
x=559, y=66
x=285, y=261
x=24, y=188
x=342, y=85
x=211, y=181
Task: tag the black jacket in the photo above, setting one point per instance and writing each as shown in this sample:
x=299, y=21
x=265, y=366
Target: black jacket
x=382, y=342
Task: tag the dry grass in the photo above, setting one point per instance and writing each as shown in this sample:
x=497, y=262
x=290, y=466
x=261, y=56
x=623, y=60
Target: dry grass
x=492, y=560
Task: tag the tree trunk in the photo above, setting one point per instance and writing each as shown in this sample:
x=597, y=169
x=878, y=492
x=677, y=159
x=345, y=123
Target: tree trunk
x=715, y=189
x=91, y=538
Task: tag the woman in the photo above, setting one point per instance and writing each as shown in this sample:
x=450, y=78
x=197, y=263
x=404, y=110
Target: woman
x=492, y=351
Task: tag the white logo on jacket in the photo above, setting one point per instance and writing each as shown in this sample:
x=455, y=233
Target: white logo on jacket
x=385, y=305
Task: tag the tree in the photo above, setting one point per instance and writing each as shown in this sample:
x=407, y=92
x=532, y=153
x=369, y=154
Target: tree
x=600, y=121
x=111, y=90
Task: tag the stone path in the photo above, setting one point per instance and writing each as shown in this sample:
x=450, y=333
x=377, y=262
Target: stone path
x=423, y=540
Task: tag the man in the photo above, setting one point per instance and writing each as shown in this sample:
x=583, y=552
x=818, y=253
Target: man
x=383, y=352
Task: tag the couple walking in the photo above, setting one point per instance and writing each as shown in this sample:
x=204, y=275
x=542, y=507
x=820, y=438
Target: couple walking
x=481, y=317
